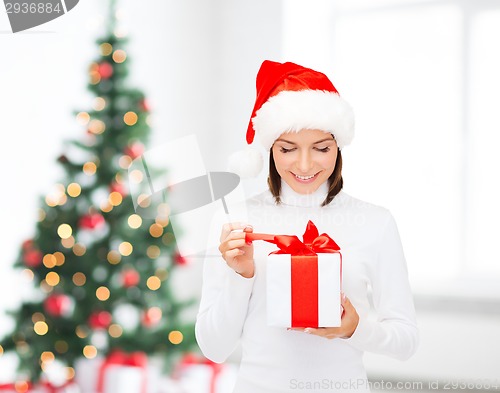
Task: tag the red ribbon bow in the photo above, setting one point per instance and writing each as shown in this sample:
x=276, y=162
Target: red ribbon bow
x=312, y=244
x=118, y=357
x=304, y=269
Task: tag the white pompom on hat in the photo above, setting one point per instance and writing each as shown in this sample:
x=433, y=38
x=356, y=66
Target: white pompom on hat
x=291, y=98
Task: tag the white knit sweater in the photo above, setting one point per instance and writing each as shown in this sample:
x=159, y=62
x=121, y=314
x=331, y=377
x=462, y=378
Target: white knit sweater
x=233, y=309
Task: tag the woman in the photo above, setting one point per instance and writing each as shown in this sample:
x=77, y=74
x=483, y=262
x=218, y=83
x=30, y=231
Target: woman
x=301, y=118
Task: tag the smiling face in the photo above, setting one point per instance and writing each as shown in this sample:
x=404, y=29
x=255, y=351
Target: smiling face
x=305, y=159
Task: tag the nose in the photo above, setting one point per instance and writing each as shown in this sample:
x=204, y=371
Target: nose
x=305, y=162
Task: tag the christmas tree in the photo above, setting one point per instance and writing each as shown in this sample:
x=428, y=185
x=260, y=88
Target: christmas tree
x=101, y=272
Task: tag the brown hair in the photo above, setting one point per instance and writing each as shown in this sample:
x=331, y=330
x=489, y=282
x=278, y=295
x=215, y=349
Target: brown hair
x=335, y=181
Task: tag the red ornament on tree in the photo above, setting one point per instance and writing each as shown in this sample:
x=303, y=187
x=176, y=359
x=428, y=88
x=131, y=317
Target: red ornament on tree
x=91, y=221
x=33, y=258
x=180, y=260
x=144, y=105
x=134, y=150
x=151, y=317
x=28, y=244
x=130, y=278
x=118, y=187
x=100, y=320
x=59, y=305
x=105, y=70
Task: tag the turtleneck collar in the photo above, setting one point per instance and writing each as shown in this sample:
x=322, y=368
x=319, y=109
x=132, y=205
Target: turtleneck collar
x=291, y=198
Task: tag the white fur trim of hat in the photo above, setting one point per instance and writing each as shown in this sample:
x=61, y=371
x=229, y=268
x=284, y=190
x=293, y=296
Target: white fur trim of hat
x=292, y=111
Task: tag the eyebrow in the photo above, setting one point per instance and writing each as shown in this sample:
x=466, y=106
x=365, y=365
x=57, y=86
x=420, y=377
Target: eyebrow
x=315, y=143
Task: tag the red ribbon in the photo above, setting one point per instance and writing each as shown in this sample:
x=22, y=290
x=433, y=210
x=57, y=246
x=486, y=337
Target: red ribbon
x=47, y=385
x=54, y=389
x=15, y=386
x=190, y=359
x=118, y=357
x=304, y=269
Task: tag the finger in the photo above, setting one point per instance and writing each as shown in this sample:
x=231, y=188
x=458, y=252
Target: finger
x=323, y=332
x=228, y=227
x=230, y=255
x=296, y=329
x=346, y=303
x=235, y=243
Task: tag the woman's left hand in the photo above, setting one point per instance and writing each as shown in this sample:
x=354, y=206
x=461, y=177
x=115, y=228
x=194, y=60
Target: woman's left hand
x=348, y=324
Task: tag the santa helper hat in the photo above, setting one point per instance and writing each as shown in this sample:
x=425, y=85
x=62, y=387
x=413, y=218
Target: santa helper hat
x=291, y=98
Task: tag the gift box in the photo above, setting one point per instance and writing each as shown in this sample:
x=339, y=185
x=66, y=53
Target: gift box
x=304, y=280
x=119, y=372
x=197, y=374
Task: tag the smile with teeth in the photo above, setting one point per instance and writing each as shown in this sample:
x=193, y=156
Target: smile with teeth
x=304, y=177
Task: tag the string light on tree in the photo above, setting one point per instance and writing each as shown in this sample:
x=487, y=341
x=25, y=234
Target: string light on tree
x=130, y=118
x=119, y=56
x=83, y=118
x=106, y=48
x=74, y=190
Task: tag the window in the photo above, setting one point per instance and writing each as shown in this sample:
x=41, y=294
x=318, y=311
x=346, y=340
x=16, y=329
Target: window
x=423, y=79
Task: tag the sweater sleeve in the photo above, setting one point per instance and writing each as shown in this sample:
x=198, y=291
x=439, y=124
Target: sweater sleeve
x=224, y=299
x=393, y=331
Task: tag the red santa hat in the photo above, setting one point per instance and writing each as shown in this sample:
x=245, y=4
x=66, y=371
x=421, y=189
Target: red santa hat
x=291, y=98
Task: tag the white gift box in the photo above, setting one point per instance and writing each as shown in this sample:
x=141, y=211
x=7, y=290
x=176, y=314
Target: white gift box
x=199, y=378
x=124, y=379
x=280, y=287
x=116, y=378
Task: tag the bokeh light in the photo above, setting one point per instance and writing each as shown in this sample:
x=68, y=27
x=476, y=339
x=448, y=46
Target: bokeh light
x=52, y=279
x=119, y=56
x=106, y=48
x=155, y=230
x=83, y=118
x=175, y=337
x=49, y=261
x=125, y=248
x=89, y=168
x=115, y=198
x=41, y=328
x=130, y=118
x=153, y=252
x=134, y=221
x=114, y=257
x=153, y=283
x=102, y=293
x=115, y=330
x=74, y=190
x=64, y=231
x=79, y=279
x=79, y=249
x=89, y=351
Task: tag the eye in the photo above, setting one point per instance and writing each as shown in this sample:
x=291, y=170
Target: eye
x=283, y=150
x=324, y=150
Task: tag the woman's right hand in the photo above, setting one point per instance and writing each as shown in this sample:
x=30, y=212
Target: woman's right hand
x=236, y=252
